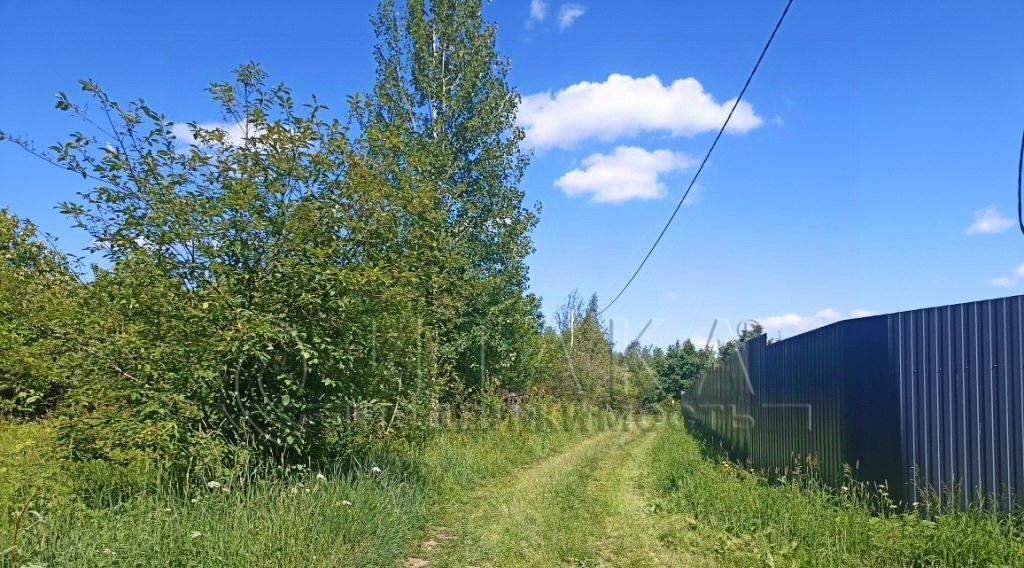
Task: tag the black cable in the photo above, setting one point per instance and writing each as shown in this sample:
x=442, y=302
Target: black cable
x=1020, y=170
x=706, y=156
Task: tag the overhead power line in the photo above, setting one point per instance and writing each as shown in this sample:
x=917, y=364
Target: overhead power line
x=705, y=160
x=1020, y=171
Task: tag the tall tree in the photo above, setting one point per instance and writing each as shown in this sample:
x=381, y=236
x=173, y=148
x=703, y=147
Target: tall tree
x=440, y=125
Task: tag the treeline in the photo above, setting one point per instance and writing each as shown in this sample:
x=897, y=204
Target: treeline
x=291, y=286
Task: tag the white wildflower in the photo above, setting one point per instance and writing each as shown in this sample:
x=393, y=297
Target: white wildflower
x=321, y=477
x=347, y=503
x=195, y=534
x=213, y=485
x=375, y=470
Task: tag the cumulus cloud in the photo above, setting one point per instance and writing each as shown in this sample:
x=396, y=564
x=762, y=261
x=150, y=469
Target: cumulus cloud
x=1015, y=277
x=988, y=221
x=538, y=11
x=235, y=133
x=800, y=323
x=626, y=106
x=627, y=173
x=568, y=14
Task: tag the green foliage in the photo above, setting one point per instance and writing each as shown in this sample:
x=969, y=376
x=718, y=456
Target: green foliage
x=439, y=125
x=272, y=285
x=643, y=365
x=102, y=514
x=746, y=333
x=738, y=518
x=255, y=292
x=37, y=291
x=682, y=367
x=576, y=360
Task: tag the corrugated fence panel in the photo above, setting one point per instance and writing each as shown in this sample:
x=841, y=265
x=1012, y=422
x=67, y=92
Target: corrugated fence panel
x=963, y=401
x=930, y=402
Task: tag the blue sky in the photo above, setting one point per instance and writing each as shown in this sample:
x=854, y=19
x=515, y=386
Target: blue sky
x=877, y=135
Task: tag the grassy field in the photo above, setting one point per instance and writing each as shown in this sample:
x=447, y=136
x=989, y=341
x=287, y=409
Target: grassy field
x=740, y=519
x=104, y=516
x=638, y=494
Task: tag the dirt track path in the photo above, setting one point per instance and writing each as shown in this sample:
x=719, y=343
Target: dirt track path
x=585, y=506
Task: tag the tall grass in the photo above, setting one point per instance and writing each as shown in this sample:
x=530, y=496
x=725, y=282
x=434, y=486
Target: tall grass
x=98, y=514
x=60, y=513
x=746, y=520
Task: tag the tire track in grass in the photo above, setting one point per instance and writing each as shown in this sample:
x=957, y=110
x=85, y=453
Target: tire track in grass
x=631, y=533
x=583, y=507
x=516, y=520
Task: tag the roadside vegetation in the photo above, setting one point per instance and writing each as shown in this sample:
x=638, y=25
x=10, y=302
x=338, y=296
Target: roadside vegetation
x=563, y=487
x=739, y=518
x=306, y=337
x=370, y=514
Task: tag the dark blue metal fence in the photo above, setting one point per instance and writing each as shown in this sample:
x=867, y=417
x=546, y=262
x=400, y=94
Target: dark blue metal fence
x=926, y=401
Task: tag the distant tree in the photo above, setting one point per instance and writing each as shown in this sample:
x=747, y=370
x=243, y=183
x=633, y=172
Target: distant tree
x=683, y=364
x=643, y=364
x=747, y=333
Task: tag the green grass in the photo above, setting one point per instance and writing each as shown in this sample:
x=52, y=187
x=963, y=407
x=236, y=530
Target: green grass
x=581, y=507
x=514, y=494
x=739, y=519
x=102, y=515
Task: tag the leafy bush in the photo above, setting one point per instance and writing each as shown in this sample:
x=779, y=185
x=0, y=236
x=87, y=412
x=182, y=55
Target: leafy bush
x=252, y=282
x=36, y=299
x=272, y=284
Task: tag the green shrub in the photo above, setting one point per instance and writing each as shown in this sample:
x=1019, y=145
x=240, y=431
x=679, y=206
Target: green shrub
x=36, y=300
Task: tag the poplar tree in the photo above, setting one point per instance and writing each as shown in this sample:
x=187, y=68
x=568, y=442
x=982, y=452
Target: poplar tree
x=440, y=123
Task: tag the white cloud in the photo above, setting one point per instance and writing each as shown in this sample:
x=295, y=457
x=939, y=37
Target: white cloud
x=568, y=14
x=988, y=221
x=538, y=11
x=235, y=133
x=829, y=314
x=627, y=173
x=799, y=324
x=1015, y=277
x=626, y=106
